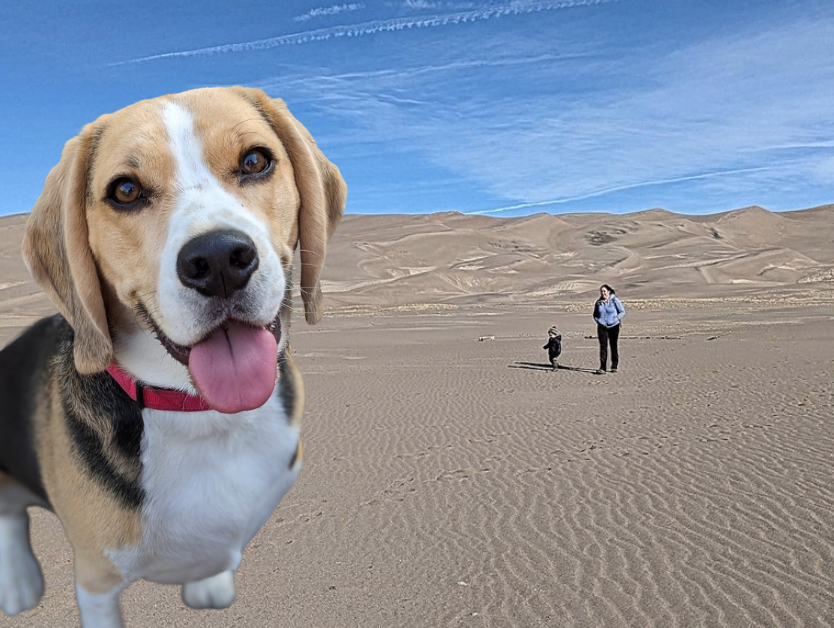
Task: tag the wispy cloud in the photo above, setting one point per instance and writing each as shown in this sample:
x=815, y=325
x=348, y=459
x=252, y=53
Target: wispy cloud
x=314, y=85
x=328, y=11
x=374, y=27
x=421, y=5
x=621, y=188
x=696, y=125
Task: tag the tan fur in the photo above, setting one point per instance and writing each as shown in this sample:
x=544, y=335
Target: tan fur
x=296, y=459
x=56, y=250
x=93, y=519
x=96, y=264
x=323, y=193
x=91, y=259
x=291, y=373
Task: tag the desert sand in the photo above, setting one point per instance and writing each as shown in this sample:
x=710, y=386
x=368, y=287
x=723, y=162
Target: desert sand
x=455, y=482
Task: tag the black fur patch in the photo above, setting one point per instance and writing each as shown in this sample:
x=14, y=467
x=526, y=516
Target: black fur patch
x=105, y=426
x=24, y=373
x=295, y=455
x=286, y=388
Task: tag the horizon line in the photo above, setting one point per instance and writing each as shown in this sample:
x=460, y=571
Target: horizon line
x=587, y=211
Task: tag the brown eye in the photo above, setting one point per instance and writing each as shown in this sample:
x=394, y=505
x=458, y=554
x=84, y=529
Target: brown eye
x=254, y=162
x=125, y=191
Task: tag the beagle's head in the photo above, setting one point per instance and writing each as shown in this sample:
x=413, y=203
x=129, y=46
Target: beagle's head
x=165, y=237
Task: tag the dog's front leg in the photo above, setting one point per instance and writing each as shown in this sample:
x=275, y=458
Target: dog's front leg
x=99, y=610
x=21, y=582
x=97, y=589
x=215, y=592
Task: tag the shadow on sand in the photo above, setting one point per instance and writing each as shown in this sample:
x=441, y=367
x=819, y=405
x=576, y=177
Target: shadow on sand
x=545, y=366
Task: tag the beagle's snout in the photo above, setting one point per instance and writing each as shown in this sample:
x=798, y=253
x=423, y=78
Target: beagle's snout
x=218, y=263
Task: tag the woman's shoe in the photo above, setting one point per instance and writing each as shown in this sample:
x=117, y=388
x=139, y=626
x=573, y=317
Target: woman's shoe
x=600, y=371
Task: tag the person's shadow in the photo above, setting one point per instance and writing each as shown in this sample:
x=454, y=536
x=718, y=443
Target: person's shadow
x=546, y=366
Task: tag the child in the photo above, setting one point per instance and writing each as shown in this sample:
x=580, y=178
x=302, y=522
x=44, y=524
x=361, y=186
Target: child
x=553, y=346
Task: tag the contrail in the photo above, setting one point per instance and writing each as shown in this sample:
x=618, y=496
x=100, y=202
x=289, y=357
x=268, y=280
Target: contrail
x=374, y=27
x=632, y=186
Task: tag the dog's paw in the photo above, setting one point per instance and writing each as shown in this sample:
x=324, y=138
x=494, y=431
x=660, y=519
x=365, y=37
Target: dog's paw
x=21, y=582
x=215, y=592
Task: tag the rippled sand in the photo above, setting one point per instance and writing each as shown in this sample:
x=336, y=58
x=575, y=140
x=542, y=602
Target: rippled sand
x=452, y=482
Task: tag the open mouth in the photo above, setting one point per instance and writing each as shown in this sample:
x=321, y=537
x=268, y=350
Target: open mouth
x=181, y=353
x=234, y=367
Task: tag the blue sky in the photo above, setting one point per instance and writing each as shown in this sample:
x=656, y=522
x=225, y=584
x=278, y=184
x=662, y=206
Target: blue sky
x=506, y=107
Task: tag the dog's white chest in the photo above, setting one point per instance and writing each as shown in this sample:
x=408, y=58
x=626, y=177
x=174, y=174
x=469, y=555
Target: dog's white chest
x=211, y=481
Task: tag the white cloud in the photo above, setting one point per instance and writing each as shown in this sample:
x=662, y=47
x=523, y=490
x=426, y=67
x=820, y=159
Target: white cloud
x=744, y=114
x=420, y=5
x=328, y=11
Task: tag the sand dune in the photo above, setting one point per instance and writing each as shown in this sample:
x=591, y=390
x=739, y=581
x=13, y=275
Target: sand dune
x=450, y=259
x=395, y=261
x=452, y=482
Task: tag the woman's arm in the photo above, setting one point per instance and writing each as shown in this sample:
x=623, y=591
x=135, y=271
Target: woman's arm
x=620, y=309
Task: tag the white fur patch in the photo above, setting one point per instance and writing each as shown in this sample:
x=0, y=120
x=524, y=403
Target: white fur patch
x=211, y=481
x=215, y=592
x=201, y=205
x=101, y=610
x=21, y=582
x=144, y=357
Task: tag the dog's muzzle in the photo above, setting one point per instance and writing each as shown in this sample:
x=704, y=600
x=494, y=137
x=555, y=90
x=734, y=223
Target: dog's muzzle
x=234, y=365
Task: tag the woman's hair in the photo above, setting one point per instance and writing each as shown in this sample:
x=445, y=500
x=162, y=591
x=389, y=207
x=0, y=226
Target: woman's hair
x=607, y=287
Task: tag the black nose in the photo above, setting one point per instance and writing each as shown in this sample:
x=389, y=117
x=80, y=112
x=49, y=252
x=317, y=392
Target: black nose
x=218, y=263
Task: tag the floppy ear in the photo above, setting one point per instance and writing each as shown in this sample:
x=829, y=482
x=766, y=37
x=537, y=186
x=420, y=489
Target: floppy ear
x=57, y=253
x=323, y=194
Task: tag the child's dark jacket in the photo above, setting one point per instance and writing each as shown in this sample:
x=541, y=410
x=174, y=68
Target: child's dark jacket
x=554, y=346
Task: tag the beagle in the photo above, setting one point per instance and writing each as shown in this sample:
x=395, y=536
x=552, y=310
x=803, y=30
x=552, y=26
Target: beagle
x=158, y=414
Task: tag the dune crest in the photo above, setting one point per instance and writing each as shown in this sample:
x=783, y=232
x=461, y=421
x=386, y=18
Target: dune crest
x=390, y=261
x=382, y=262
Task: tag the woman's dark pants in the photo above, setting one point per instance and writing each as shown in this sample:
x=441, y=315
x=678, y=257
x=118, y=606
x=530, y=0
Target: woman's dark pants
x=606, y=336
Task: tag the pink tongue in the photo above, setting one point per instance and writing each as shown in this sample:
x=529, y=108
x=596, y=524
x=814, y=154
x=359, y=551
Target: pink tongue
x=234, y=369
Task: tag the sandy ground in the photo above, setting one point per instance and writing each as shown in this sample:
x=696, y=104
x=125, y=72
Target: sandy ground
x=452, y=482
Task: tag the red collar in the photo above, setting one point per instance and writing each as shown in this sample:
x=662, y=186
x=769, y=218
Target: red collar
x=156, y=398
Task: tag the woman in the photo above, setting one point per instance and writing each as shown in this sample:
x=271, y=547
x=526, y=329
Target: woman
x=608, y=312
